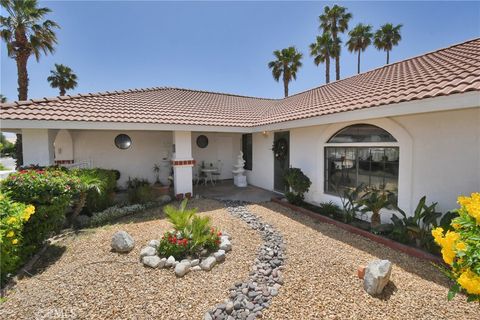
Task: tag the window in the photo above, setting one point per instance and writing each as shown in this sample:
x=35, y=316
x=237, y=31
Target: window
x=361, y=154
x=247, y=147
x=123, y=141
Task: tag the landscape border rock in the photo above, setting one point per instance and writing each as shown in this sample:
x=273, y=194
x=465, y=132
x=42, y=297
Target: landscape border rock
x=250, y=297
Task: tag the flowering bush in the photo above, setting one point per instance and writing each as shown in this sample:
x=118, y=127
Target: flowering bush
x=51, y=192
x=13, y=216
x=190, y=235
x=461, y=248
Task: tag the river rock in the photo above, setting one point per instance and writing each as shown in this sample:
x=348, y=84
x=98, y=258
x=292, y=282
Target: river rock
x=122, y=242
x=377, y=275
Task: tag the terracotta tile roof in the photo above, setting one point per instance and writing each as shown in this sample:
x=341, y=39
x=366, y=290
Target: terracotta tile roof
x=455, y=69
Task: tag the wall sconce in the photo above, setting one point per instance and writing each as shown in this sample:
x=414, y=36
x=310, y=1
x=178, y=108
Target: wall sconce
x=265, y=133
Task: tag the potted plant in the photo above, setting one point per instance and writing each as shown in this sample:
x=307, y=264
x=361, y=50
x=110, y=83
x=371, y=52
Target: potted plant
x=157, y=187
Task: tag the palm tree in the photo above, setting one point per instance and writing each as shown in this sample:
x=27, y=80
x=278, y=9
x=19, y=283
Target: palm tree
x=322, y=50
x=287, y=63
x=386, y=37
x=335, y=20
x=63, y=78
x=26, y=32
x=360, y=39
x=3, y=99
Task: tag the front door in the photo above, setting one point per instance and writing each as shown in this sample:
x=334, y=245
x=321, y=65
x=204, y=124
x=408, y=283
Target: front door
x=281, y=160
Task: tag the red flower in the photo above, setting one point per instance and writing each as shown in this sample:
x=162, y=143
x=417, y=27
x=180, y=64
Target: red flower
x=219, y=233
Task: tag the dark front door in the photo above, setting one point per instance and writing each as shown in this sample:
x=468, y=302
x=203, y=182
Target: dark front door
x=281, y=162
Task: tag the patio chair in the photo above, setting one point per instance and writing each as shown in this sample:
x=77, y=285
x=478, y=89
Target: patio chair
x=216, y=175
x=197, y=174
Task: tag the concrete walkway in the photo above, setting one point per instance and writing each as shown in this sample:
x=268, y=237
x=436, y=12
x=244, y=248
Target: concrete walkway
x=226, y=190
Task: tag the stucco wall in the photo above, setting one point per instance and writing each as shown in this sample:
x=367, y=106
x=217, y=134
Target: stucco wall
x=148, y=148
x=261, y=174
x=439, y=156
x=63, y=145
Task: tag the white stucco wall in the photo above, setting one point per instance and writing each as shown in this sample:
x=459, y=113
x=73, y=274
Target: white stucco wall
x=261, y=174
x=221, y=146
x=439, y=156
x=63, y=145
x=148, y=148
x=37, y=146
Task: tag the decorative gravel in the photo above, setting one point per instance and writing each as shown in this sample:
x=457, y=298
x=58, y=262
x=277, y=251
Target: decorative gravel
x=321, y=281
x=89, y=281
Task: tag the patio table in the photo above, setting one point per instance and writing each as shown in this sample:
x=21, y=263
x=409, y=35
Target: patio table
x=208, y=172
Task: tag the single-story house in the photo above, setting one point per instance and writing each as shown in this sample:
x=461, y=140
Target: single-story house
x=412, y=126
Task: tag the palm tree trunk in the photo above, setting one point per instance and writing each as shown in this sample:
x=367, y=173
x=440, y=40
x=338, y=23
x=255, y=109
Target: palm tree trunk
x=388, y=56
x=22, y=74
x=62, y=91
x=327, y=69
x=358, y=71
x=337, y=67
x=285, y=87
x=375, y=220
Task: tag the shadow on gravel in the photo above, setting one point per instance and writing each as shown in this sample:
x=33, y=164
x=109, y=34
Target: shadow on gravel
x=52, y=254
x=388, y=291
x=404, y=261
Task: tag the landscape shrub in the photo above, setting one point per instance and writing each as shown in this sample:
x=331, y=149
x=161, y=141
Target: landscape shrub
x=50, y=192
x=298, y=184
x=98, y=201
x=190, y=235
x=374, y=200
x=115, y=212
x=461, y=248
x=13, y=217
x=331, y=210
x=139, y=191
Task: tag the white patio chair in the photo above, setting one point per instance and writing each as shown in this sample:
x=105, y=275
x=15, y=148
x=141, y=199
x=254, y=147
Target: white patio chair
x=197, y=174
x=216, y=175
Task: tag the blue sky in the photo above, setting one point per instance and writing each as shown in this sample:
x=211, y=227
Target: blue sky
x=221, y=46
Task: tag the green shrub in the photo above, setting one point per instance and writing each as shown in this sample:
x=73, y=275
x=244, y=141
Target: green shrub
x=330, y=209
x=98, y=201
x=13, y=217
x=115, y=212
x=190, y=235
x=139, y=191
x=51, y=192
x=299, y=184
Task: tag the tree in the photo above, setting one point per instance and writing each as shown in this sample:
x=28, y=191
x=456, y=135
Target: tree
x=63, y=78
x=360, y=39
x=26, y=33
x=335, y=20
x=287, y=63
x=3, y=99
x=321, y=51
x=386, y=37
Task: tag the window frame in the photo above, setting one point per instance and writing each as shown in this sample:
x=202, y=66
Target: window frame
x=247, y=149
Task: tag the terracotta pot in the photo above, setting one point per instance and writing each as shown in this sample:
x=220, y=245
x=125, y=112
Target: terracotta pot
x=179, y=196
x=188, y=195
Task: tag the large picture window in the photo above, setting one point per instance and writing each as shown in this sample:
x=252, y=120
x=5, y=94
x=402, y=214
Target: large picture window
x=361, y=154
x=247, y=150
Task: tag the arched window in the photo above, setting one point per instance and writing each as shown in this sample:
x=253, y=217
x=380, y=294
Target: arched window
x=361, y=154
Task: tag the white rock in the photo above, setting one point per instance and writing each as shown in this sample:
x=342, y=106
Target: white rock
x=147, y=251
x=208, y=263
x=122, y=242
x=162, y=262
x=195, y=262
x=226, y=235
x=154, y=243
x=196, y=268
x=182, y=269
x=152, y=261
x=219, y=255
x=377, y=275
x=225, y=245
x=170, y=262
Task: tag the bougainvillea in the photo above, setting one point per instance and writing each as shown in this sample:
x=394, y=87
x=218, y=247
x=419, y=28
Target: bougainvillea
x=461, y=248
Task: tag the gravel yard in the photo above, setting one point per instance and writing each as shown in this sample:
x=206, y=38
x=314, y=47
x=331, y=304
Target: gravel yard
x=321, y=282
x=81, y=278
x=89, y=281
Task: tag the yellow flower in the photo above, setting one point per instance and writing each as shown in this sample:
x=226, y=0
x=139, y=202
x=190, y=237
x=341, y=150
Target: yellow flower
x=472, y=205
x=470, y=281
x=11, y=220
x=29, y=210
x=437, y=234
x=447, y=243
x=10, y=234
x=456, y=226
x=14, y=241
x=461, y=246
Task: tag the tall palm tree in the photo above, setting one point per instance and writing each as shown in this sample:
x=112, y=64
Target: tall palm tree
x=26, y=33
x=335, y=20
x=3, y=99
x=386, y=37
x=287, y=63
x=324, y=49
x=360, y=39
x=63, y=78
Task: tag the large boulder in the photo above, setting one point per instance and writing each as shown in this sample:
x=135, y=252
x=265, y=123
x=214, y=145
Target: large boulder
x=122, y=242
x=377, y=275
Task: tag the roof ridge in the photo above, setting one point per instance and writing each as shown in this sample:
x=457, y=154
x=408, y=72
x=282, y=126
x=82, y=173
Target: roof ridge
x=385, y=66
x=223, y=93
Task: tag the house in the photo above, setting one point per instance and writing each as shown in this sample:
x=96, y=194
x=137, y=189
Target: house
x=412, y=126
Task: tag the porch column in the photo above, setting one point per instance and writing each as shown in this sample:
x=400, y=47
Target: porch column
x=37, y=146
x=182, y=162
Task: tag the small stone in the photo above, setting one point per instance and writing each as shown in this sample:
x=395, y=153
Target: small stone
x=208, y=263
x=182, y=269
x=361, y=272
x=229, y=307
x=274, y=292
x=170, y=262
x=154, y=243
x=207, y=316
x=237, y=305
x=219, y=255
x=122, y=242
x=225, y=245
x=377, y=275
x=186, y=261
x=151, y=261
x=147, y=251
x=195, y=262
x=250, y=306
x=162, y=262
x=196, y=268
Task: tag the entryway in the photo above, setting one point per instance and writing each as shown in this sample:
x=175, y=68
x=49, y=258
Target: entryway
x=281, y=162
